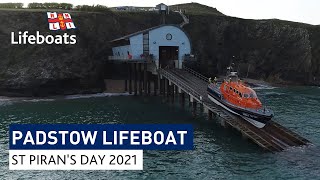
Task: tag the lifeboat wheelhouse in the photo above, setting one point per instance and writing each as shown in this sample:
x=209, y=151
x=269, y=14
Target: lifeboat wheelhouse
x=234, y=96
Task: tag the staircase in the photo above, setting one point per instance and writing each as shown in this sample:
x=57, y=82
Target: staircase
x=184, y=17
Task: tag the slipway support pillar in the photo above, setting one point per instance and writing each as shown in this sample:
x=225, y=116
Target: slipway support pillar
x=167, y=88
x=210, y=115
x=130, y=79
x=164, y=87
x=172, y=93
x=223, y=122
x=140, y=78
x=145, y=78
x=194, y=105
x=126, y=80
x=149, y=84
x=126, y=85
x=161, y=86
x=155, y=85
x=135, y=79
x=191, y=100
x=205, y=110
x=176, y=90
x=182, y=99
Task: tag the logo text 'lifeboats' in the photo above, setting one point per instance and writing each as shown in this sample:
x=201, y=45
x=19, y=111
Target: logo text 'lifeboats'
x=57, y=21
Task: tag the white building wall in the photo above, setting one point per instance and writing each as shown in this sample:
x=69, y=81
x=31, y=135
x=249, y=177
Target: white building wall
x=122, y=50
x=136, y=43
x=157, y=37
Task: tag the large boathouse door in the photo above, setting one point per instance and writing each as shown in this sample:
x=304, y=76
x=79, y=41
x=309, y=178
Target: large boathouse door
x=167, y=55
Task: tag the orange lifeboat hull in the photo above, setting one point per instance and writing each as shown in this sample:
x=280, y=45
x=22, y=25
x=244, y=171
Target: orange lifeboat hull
x=240, y=100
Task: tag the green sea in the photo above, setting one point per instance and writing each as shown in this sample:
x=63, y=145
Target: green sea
x=218, y=153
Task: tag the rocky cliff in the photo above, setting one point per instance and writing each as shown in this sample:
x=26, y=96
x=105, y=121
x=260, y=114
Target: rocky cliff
x=273, y=50
x=278, y=51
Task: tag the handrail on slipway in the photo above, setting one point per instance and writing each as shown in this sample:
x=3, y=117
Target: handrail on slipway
x=181, y=84
x=195, y=73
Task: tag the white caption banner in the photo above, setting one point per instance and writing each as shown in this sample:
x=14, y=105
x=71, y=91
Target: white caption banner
x=76, y=159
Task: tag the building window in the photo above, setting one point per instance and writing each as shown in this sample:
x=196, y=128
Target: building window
x=168, y=36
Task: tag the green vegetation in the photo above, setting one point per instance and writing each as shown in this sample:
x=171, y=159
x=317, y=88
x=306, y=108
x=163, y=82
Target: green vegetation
x=195, y=8
x=56, y=6
x=93, y=8
x=66, y=6
x=11, y=5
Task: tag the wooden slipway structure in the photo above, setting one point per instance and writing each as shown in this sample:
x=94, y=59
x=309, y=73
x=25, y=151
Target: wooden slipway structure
x=185, y=84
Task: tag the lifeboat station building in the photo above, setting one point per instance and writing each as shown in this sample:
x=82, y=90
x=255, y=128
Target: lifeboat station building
x=164, y=44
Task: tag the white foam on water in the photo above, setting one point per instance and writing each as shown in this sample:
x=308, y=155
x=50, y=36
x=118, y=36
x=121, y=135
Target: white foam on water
x=38, y=100
x=9, y=100
x=5, y=98
x=259, y=86
x=4, y=101
x=274, y=93
x=80, y=96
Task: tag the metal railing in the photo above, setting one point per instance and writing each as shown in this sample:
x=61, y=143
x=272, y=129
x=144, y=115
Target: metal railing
x=195, y=73
x=181, y=84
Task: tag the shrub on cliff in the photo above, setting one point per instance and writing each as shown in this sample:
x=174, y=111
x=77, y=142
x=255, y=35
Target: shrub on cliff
x=66, y=6
x=11, y=5
x=93, y=8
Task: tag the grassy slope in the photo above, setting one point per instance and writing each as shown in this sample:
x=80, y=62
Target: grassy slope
x=195, y=8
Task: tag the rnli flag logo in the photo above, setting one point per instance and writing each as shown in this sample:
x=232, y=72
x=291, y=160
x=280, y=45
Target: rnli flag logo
x=60, y=21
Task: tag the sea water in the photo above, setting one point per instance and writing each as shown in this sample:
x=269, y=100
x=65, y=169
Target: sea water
x=218, y=152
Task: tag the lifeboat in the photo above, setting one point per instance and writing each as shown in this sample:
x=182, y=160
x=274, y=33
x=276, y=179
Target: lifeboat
x=237, y=98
